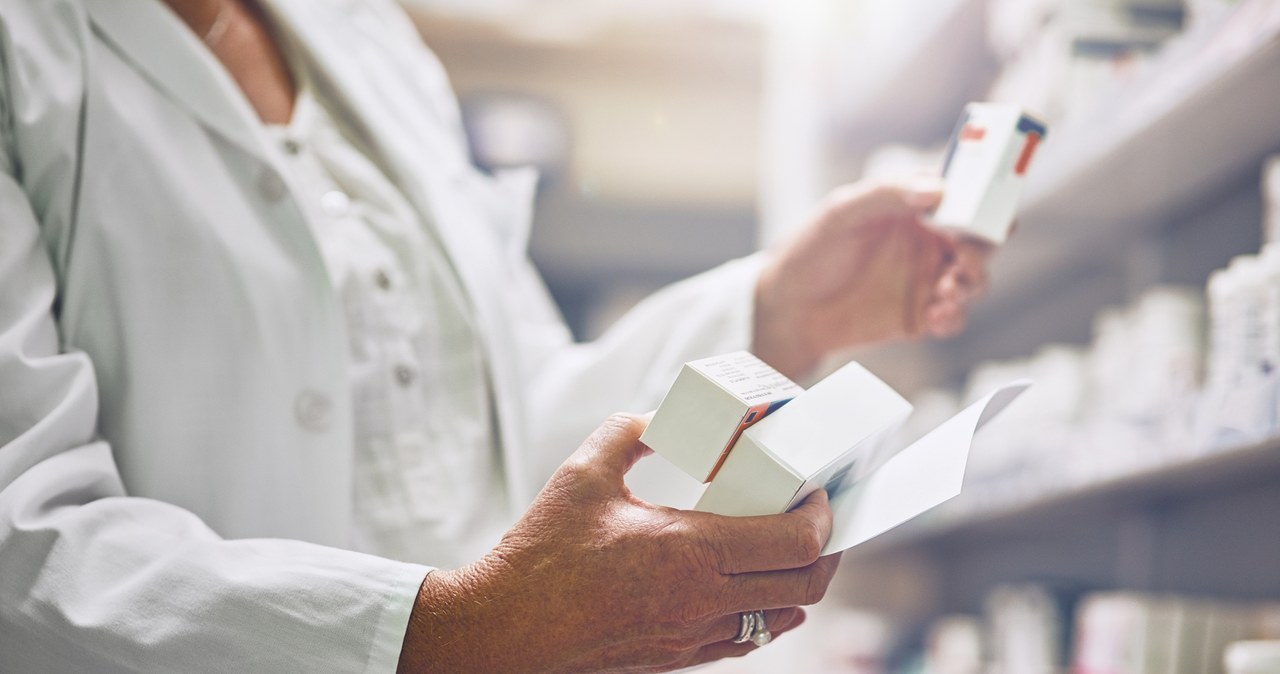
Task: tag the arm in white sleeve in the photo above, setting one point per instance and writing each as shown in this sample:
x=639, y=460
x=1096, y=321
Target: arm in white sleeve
x=93, y=580
x=630, y=367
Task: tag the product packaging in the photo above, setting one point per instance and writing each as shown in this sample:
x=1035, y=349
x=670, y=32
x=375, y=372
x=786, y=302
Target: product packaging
x=711, y=403
x=814, y=442
x=985, y=168
x=826, y=438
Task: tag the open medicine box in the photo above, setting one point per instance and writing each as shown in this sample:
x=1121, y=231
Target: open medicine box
x=840, y=435
x=985, y=168
x=815, y=441
x=711, y=403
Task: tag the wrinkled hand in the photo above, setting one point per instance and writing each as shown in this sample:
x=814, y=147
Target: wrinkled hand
x=867, y=269
x=592, y=578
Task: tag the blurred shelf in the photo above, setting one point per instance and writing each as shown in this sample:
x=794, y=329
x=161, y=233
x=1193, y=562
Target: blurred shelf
x=1220, y=472
x=1201, y=119
x=913, y=93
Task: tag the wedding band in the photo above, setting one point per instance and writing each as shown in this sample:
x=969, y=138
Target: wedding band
x=751, y=628
x=760, y=634
x=746, y=627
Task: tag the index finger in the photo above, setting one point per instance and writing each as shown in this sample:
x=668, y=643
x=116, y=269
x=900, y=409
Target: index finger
x=772, y=542
x=970, y=267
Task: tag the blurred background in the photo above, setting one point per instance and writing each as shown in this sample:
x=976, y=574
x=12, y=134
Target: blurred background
x=1124, y=516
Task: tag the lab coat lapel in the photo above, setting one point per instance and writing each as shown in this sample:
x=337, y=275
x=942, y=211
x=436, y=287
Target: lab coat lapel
x=148, y=35
x=429, y=163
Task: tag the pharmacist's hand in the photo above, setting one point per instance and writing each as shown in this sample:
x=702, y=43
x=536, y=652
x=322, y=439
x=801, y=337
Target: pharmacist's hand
x=594, y=579
x=866, y=269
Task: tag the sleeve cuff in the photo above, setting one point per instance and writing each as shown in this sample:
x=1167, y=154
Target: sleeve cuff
x=403, y=582
x=736, y=283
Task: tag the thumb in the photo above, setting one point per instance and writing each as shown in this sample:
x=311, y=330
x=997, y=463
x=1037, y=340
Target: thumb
x=870, y=201
x=615, y=446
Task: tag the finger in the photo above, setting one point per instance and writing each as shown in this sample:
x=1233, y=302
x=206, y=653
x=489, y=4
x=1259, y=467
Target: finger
x=971, y=267
x=945, y=319
x=614, y=447
x=726, y=628
x=777, y=589
x=872, y=201
x=788, y=541
x=933, y=258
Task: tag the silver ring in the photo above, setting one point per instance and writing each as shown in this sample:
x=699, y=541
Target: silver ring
x=761, y=634
x=746, y=627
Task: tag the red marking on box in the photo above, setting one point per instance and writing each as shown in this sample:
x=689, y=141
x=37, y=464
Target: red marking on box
x=1033, y=140
x=973, y=133
x=749, y=419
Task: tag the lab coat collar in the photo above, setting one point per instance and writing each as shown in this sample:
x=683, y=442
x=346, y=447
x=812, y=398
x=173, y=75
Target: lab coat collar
x=353, y=81
x=151, y=37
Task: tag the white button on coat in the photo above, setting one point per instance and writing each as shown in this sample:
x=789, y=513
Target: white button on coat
x=335, y=203
x=314, y=410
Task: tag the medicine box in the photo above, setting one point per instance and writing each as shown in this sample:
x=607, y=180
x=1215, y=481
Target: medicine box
x=985, y=168
x=711, y=403
x=818, y=440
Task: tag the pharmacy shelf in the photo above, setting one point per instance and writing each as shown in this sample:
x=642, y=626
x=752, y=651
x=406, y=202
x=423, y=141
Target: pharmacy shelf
x=1218, y=473
x=1201, y=119
x=912, y=93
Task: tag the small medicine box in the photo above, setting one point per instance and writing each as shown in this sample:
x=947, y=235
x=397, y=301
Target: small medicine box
x=711, y=403
x=816, y=441
x=985, y=168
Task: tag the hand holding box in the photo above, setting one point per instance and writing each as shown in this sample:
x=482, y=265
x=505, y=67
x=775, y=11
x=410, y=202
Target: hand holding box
x=986, y=166
x=715, y=425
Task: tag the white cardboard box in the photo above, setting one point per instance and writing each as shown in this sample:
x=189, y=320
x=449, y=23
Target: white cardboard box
x=711, y=403
x=985, y=168
x=866, y=499
x=826, y=438
x=815, y=441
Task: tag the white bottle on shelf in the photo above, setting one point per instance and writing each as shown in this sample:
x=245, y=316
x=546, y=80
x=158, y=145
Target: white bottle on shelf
x=1243, y=412
x=1253, y=657
x=1271, y=332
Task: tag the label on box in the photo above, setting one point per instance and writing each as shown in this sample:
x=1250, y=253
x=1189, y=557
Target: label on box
x=751, y=380
x=747, y=377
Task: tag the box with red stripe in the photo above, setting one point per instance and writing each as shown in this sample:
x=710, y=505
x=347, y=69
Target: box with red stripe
x=986, y=165
x=711, y=403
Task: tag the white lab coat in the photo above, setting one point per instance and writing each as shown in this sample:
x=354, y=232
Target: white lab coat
x=175, y=431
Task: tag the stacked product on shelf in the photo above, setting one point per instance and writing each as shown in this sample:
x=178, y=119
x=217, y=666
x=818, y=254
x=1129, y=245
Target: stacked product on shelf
x=1122, y=405
x=1156, y=387
x=954, y=646
x=1131, y=633
x=1239, y=404
x=1037, y=629
x=1060, y=58
x=1253, y=657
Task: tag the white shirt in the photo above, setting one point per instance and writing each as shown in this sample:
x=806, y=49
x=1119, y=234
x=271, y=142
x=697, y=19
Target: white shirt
x=427, y=469
x=176, y=431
